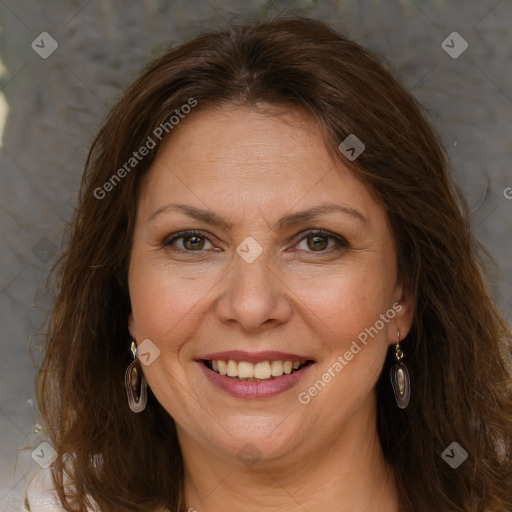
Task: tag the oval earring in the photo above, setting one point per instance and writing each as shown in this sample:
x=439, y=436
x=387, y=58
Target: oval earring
x=135, y=383
x=400, y=379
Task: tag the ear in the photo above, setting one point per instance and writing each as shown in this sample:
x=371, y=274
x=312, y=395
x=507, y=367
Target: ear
x=404, y=307
x=131, y=326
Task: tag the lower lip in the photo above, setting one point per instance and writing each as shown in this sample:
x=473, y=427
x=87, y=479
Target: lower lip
x=254, y=390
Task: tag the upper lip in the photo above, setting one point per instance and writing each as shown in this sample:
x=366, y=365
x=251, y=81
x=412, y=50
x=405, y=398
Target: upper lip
x=253, y=357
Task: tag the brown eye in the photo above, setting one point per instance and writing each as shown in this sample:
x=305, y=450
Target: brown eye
x=318, y=241
x=191, y=241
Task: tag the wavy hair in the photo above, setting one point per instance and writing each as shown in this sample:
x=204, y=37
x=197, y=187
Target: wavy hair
x=458, y=349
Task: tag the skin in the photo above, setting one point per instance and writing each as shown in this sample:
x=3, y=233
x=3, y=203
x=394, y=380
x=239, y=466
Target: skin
x=251, y=167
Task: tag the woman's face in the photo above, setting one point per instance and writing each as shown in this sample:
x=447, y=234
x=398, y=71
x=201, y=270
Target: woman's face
x=257, y=284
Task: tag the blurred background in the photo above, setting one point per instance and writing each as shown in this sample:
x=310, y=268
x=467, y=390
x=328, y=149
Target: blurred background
x=63, y=65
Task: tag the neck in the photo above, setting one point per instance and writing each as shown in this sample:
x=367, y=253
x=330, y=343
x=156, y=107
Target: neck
x=347, y=474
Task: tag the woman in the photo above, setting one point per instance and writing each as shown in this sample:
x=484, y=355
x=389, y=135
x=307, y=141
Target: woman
x=271, y=296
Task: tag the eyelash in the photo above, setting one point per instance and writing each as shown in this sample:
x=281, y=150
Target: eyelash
x=342, y=241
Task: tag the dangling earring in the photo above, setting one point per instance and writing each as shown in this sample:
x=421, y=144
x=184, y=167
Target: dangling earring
x=400, y=378
x=135, y=383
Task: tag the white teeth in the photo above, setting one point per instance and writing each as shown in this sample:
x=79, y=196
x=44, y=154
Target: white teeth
x=276, y=368
x=223, y=367
x=260, y=371
x=246, y=370
x=232, y=368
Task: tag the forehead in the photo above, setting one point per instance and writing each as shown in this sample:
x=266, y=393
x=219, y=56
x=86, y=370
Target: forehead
x=264, y=137
x=269, y=158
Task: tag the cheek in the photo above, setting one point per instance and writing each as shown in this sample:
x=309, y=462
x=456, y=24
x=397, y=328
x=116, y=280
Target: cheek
x=348, y=317
x=346, y=302
x=162, y=302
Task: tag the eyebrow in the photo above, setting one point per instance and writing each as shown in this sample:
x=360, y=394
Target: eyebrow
x=287, y=220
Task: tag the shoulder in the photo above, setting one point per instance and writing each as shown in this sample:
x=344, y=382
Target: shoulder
x=40, y=495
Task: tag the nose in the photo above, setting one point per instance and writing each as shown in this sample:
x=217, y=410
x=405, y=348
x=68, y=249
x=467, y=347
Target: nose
x=254, y=295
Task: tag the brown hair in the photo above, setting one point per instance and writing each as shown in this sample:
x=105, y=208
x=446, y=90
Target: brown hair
x=461, y=383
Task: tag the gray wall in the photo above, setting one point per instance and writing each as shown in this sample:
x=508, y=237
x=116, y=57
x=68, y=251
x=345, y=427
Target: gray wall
x=55, y=105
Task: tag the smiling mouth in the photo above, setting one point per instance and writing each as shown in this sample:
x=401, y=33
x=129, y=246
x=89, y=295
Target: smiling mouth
x=248, y=372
